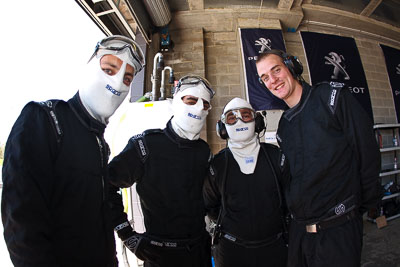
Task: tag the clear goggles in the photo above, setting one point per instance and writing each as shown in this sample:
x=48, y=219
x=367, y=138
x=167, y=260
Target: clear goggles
x=194, y=80
x=118, y=44
x=231, y=116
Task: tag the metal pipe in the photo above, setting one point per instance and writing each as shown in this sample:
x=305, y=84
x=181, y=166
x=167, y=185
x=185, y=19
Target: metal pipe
x=157, y=64
x=159, y=11
x=171, y=80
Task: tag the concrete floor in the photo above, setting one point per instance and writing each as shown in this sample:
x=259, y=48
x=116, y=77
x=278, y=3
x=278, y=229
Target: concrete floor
x=381, y=247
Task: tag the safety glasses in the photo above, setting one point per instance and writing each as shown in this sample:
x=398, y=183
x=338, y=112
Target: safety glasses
x=194, y=80
x=246, y=115
x=117, y=44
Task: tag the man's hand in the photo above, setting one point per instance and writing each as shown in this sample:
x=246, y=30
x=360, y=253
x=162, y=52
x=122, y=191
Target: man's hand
x=137, y=243
x=133, y=241
x=141, y=247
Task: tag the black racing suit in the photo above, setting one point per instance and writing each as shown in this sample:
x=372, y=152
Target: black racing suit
x=334, y=162
x=54, y=207
x=253, y=213
x=169, y=173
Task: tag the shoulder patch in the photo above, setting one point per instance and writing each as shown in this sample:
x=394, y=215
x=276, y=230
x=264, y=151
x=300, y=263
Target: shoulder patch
x=49, y=107
x=137, y=136
x=140, y=145
x=334, y=95
x=152, y=131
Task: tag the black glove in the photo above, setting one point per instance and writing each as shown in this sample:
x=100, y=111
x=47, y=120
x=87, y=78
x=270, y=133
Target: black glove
x=133, y=242
x=137, y=243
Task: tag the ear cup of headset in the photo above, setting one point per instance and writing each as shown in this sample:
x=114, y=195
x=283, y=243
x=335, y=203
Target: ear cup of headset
x=260, y=123
x=262, y=83
x=293, y=64
x=221, y=130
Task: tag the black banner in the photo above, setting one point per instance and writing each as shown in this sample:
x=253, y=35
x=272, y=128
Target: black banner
x=392, y=59
x=336, y=58
x=255, y=41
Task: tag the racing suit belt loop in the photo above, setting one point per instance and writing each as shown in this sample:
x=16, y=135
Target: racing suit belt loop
x=251, y=244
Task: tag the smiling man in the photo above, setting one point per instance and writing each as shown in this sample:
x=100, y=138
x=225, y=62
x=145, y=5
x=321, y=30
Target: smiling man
x=334, y=162
x=55, y=207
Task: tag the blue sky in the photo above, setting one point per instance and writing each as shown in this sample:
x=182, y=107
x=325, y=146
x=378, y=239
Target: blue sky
x=44, y=45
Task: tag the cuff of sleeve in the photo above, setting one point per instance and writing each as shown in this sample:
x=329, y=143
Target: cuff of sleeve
x=124, y=230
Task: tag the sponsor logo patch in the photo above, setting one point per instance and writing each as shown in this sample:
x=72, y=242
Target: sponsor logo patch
x=340, y=209
x=333, y=94
x=242, y=129
x=112, y=90
x=197, y=117
x=249, y=160
x=142, y=147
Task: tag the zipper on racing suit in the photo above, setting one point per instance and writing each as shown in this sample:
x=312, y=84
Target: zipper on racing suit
x=103, y=152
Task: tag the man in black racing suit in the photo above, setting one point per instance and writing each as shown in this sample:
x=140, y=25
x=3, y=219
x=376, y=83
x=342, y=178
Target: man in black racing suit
x=54, y=202
x=169, y=167
x=243, y=193
x=334, y=162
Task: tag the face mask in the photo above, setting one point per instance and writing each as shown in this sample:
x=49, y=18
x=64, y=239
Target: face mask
x=244, y=145
x=188, y=120
x=242, y=141
x=240, y=131
x=102, y=94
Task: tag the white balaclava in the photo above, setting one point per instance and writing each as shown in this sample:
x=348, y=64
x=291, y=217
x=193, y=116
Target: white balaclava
x=188, y=120
x=242, y=138
x=100, y=93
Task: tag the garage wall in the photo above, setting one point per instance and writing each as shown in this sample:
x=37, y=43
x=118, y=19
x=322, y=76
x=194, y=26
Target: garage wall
x=207, y=43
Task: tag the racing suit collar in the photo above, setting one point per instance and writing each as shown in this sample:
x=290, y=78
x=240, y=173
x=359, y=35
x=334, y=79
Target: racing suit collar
x=292, y=112
x=84, y=117
x=174, y=137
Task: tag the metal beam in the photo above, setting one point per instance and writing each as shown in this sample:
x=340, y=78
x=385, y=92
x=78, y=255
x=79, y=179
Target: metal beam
x=285, y=4
x=94, y=16
x=370, y=8
x=122, y=19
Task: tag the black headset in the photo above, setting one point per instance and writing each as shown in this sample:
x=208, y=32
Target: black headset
x=259, y=127
x=291, y=62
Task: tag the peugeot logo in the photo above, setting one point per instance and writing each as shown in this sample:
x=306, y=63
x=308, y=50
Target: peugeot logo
x=337, y=61
x=264, y=43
